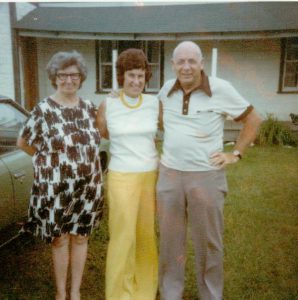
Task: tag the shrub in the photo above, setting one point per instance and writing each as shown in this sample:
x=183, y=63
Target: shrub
x=274, y=132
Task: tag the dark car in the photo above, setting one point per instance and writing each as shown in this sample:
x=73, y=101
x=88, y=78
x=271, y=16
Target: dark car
x=16, y=172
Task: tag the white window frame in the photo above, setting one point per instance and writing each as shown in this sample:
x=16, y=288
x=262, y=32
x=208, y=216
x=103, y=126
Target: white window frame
x=152, y=64
x=285, y=60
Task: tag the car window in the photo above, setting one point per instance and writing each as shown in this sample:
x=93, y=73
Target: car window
x=11, y=121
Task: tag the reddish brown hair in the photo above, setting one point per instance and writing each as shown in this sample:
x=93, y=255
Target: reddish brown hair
x=132, y=59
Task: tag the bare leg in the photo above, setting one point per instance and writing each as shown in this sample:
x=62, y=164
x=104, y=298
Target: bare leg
x=60, y=255
x=79, y=247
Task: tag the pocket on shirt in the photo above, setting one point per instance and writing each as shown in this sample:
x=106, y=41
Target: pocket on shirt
x=207, y=123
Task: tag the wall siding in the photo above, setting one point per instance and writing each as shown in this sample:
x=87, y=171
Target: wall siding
x=6, y=62
x=251, y=66
x=46, y=48
x=6, y=55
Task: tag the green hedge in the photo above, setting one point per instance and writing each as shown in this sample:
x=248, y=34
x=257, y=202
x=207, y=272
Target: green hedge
x=275, y=132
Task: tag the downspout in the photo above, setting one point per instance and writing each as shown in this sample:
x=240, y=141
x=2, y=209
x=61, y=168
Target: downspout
x=214, y=62
x=114, y=71
x=15, y=52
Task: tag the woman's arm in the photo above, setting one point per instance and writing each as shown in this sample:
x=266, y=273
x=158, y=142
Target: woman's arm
x=101, y=120
x=22, y=144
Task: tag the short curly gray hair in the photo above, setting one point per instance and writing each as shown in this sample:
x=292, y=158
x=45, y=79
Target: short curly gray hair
x=62, y=60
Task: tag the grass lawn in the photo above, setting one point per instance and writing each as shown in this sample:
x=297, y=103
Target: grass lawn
x=261, y=230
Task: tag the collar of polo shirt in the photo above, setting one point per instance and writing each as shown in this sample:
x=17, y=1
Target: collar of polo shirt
x=204, y=86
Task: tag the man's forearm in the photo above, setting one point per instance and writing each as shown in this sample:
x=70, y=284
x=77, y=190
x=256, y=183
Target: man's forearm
x=248, y=133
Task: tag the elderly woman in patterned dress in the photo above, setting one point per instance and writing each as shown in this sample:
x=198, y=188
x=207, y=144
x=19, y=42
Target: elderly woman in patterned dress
x=66, y=196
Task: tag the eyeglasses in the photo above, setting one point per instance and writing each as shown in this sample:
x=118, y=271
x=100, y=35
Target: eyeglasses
x=73, y=76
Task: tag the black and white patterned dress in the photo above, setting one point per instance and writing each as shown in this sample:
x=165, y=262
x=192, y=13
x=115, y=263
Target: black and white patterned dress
x=67, y=193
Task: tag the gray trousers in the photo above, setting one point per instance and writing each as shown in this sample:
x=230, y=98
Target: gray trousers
x=196, y=198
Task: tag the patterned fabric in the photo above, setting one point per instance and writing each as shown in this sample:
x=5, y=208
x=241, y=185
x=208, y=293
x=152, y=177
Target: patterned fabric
x=67, y=193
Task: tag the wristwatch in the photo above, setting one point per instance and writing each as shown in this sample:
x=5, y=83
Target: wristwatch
x=237, y=153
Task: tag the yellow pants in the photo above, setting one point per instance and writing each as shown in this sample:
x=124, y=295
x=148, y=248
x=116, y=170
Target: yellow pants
x=131, y=270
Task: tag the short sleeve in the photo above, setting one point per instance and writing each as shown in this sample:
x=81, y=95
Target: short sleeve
x=232, y=103
x=165, y=89
x=32, y=130
x=92, y=111
x=160, y=93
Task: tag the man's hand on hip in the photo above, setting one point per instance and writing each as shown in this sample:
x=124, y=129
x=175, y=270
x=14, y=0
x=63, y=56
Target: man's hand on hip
x=221, y=159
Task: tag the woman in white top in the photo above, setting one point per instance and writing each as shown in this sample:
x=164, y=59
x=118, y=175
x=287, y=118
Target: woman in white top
x=130, y=122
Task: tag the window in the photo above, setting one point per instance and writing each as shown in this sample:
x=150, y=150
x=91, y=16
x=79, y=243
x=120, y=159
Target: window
x=11, y=121
x=289, y=66
x=153, y=50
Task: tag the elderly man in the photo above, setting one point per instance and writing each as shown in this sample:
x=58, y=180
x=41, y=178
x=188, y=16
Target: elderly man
x=192, y=182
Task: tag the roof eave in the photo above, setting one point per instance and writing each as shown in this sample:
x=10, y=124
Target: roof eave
x=160, y=36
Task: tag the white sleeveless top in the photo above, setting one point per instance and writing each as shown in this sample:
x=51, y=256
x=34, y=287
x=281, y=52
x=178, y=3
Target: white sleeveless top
x=132, y=134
